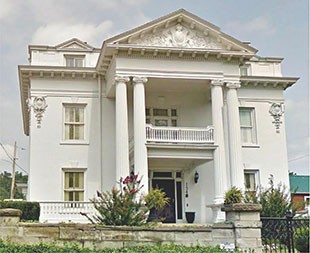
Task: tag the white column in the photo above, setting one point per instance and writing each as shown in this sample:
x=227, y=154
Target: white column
x=121, y=131
x=235, y=149
x=140, y=150
x=220, y=177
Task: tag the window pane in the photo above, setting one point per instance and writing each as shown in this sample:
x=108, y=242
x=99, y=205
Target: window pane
x=174, y=122
x=161, y=122
x=69, y=62
x=245, y=117
x=79, y=62
x=173, y=112
x=74, y=122
x=250, y=183
x=160, y=112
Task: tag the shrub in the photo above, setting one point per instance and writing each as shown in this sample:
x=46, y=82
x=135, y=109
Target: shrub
x=156, y=198
x=232, y=196
x=275, y=200
x=70, y=248
x=301, y=239
x=30, y=210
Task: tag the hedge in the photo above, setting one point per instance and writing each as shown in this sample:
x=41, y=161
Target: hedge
x=73, y=248
x=31, y=210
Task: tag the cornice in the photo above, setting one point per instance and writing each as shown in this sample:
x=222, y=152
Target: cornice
x=268, y=81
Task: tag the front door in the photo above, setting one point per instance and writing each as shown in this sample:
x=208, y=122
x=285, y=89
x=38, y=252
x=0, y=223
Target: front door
x=168, y=212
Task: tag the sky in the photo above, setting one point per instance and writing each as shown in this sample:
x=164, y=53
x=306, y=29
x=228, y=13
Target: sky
x=277, y=28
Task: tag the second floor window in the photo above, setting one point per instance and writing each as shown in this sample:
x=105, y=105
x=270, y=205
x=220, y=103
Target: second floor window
x=75, y=61
x=161, y=117
x=74, y=122
x=247, y=125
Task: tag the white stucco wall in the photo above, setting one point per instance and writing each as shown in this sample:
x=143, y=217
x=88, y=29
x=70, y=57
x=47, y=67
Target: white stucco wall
x=49, y=153
x=57, y=58
x=270, y=155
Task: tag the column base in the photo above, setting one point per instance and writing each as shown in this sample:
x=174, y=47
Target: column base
x=217, y=214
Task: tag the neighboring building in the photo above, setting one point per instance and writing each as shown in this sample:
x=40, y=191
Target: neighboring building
x=167, y=99
x=300, y=190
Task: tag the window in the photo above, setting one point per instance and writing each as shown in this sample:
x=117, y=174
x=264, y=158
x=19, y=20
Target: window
x=247, y=125
x=74, y=186
x=161, y=117
x=74, y=122
x=251, y=180
x=75, y=60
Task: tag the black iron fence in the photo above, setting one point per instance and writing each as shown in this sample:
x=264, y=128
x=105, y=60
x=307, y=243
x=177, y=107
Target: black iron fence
x=285, y=234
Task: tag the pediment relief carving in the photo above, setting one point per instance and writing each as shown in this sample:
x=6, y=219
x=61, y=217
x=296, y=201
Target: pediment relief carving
x=179, y=36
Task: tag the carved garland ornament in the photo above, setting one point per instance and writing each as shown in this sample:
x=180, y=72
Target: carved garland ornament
x=276, y=111
x=39, y=105
x=179, y=36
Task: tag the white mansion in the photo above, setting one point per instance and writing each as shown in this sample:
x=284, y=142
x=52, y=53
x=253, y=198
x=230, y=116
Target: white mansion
x=176, y=100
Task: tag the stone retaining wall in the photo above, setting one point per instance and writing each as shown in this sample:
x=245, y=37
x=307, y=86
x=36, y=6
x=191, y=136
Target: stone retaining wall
x=243, y=231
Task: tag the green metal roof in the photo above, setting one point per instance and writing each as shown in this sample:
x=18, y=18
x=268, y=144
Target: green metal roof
x=299, y=183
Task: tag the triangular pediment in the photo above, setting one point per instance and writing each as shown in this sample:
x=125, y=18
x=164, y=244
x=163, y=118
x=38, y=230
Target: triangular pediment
x=179, y=36
x=74, y=44
x=181, y=29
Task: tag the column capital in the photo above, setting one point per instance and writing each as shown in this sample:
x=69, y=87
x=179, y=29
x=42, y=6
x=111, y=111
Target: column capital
x=139, y=79
x=217, y=82
x=122, y=79
x=233, y=85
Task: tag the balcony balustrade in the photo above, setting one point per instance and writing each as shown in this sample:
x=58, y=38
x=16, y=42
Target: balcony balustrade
x=189, y=135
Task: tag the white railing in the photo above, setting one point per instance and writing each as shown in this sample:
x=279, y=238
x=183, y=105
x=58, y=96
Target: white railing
x=66, y=211
x=179, y=134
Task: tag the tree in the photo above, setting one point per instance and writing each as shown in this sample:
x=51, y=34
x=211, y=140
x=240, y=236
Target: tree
x=5, y=184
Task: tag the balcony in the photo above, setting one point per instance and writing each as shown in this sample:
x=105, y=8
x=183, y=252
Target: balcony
x=176, y=135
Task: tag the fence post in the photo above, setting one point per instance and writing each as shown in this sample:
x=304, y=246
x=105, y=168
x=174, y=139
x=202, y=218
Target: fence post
x=289, y=228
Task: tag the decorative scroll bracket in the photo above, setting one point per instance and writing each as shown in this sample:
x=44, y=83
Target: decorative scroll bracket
x=39, y=105
x=276, y=111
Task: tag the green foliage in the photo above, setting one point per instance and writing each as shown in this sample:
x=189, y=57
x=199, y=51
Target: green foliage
x=232, y=196
x=73, y=248
x=301, y=239
x=275, y=200
x=30, y=210
x=5, y=185
x=124, y=206
x=156, y=198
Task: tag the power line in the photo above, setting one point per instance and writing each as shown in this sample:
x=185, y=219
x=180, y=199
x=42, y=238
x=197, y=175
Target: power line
x=12, y=159
x=298, y=158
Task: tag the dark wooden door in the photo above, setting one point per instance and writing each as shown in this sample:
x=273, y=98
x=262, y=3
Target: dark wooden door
x=168, y=212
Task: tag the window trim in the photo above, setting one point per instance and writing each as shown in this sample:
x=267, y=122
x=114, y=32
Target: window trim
x=83, y=141
x=253, y=128
x=74, y=57
x=256, y=178
x=79, y=170
x=152, y=118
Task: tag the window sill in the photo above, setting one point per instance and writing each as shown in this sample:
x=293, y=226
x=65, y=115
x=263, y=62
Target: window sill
x=74, y=143
x=250, y=146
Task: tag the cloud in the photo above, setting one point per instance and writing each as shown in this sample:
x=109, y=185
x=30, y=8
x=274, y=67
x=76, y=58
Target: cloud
x=260, y=24
x=297, y=113
x=55, y=33
x=7, y=8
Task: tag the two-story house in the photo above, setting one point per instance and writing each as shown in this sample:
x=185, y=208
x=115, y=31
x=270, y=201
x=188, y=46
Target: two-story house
x=176, y=100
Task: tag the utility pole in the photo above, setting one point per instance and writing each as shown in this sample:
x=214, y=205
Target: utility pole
x=13, y=172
